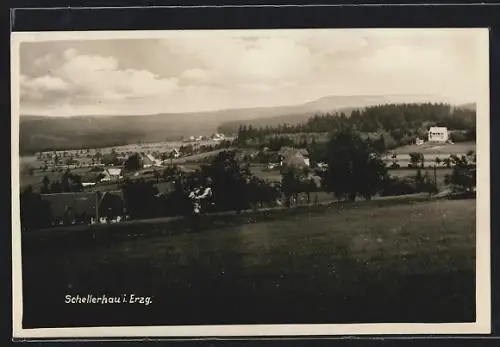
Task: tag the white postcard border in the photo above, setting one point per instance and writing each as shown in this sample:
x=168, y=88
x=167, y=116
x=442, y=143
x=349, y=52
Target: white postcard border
x=483, y=274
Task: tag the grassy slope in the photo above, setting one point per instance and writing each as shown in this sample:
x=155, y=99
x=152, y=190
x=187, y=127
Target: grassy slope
x=36, y=180
x=436, y=149
x=404, y=263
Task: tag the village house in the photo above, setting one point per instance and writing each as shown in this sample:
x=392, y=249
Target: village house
x=175, y=153
x=111, y=174
x=85, y=207
x=438, y=134
x=218, y=137
x=71, y=208
x=152, y=161
x=294, y=157
x=147, y=162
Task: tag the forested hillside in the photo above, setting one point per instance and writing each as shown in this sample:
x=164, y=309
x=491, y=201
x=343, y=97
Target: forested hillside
x=399, y=120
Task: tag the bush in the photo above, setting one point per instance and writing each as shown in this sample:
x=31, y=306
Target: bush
x=463, y=195
x=459, y=136
x=395, y=186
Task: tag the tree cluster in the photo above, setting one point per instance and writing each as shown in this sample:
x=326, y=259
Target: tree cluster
x=463, y=176
x=296, y=181
x=234, y=188
x=134, y=162
x=69, y=182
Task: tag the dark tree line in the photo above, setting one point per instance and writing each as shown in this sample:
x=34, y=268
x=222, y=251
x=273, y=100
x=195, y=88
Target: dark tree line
x=69, y=182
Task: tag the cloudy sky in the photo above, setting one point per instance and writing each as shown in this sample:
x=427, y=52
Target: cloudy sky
x=210, y=70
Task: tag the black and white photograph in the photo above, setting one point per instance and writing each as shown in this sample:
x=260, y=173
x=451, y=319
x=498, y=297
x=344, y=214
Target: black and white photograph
x=212, y=183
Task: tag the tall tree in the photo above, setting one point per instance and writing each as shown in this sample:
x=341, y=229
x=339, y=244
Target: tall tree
x=45, y=185
x=354, y=169
x=133, y=162
x=65, y=183
x=417, y=159
x=229, y=181
x=140, y=198
x=290, y=183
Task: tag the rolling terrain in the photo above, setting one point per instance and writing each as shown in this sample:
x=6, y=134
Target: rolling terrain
x=39, y=132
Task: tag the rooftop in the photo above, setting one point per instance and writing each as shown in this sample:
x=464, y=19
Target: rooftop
x=79, y=202
x=438, y=129
x=114, y=171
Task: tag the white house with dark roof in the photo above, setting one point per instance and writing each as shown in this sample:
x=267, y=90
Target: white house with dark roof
x=438, y=134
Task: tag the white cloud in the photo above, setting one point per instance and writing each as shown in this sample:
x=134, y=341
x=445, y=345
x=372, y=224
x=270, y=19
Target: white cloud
x=96, y=75
x=197, y=75
x=70, y=53
x=44, y=60
x=38, y=88
x=233, y=60
x=403, y=58
x=48, y=83
x=94, y=78
x=331, y=42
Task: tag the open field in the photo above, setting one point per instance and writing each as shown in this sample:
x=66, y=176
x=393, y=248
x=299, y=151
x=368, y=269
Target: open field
x=362, y=262
x=36, y=179
x=198, y=156
x=430, y=152
x=260, y=171
x=29, y=160
x=437, y=149
x=441, y=172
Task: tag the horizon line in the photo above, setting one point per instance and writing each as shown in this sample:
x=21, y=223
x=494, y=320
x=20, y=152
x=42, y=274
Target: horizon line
x=264, y=107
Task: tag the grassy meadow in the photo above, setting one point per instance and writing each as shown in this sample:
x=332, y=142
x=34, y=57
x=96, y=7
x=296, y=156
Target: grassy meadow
x=346, y=263
x=429, y=148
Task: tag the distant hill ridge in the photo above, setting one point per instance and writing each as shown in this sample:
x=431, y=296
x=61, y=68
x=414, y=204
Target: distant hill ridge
x=45, y=132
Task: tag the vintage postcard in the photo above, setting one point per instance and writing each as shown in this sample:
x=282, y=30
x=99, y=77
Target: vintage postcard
x=236, y=183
